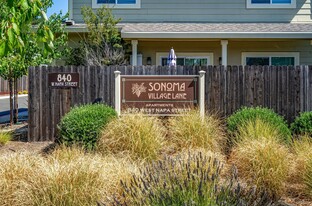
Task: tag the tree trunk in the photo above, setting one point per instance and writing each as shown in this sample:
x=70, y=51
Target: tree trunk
x=11, y=99
x=15, y=118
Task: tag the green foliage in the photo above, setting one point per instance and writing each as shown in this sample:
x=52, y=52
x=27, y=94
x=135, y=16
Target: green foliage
x=302, y=124
x=5, y=137
x=28, y=38
x=244, y=115
x=103, y=44
x=82, y=124
x=194, y=180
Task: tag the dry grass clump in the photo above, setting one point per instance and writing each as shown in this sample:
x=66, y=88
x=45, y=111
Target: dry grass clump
x=17, y=172
x=307, y=178
x=257, y=129
x=263, y=163
x=5, y=137
x=192, y=131
x=68, y=176
x=302, y=149
x=74, y=177
x=140, y=136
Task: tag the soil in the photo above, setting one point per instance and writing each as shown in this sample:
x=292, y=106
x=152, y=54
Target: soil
x=20, y=143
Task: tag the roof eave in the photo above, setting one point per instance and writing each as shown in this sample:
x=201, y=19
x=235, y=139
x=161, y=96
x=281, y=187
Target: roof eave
x=216, y=35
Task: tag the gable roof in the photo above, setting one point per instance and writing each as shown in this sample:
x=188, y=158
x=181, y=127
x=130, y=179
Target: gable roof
x=216, y=30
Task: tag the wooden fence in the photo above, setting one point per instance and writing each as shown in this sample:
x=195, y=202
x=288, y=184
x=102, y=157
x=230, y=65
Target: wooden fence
x=287, y=90
x=22, y=85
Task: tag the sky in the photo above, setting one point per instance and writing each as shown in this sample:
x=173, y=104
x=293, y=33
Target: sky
x=57, y=6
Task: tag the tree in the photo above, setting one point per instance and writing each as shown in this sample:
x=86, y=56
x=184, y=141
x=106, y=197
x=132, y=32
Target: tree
x=103, y=44
x=27, y=38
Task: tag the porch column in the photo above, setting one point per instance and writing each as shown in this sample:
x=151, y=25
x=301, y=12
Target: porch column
x=224, y=44
x=134, y=52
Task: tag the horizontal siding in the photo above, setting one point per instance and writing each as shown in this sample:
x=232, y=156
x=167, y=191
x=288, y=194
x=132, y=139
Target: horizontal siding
x=203, y=11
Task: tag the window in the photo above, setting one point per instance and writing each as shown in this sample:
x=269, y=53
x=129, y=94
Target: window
x=273, y=4
x=118, y=4
x=270, y=58
x=187, y=59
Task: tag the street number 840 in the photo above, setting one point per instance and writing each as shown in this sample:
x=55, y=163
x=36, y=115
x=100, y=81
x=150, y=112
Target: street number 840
x=64, y=77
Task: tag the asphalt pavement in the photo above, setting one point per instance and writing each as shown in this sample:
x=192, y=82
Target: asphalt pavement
x=5, y=102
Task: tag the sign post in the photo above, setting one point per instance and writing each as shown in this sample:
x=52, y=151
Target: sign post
x=202, y=93
x=117, y=92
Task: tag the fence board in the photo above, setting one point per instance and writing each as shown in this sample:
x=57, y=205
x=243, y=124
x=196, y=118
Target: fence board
x=22, y=84
x=286, y=90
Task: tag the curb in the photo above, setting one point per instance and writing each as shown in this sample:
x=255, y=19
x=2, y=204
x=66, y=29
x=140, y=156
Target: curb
x=7, y=97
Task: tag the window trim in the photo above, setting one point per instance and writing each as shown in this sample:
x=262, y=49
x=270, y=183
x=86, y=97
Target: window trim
x=292, y=5
x=209, y=56
x=270, y=55
x=96, y=5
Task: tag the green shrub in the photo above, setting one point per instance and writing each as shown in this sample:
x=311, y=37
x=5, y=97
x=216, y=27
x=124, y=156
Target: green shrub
x=302, y=124
x=83, y=124
x=5, y=137
x=264, y=163
x=194, y=180
x=138, y=135
x=245, y=114
x=192, y=131
x=308, y=178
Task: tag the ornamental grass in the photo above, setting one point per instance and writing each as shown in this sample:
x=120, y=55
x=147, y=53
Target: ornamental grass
x=68, y=176
x=137, y=135
x=264, y=163
x=5, y=137
x=193, y=131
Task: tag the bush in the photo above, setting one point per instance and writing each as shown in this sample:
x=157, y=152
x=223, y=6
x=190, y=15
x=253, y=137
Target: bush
x=83, y=124
x=302, y=124
x=191, y=131
x=245, y=115
x=264, y=163
x=185, y=180
x=138, y=135
x=308, y=178
x=5, y=137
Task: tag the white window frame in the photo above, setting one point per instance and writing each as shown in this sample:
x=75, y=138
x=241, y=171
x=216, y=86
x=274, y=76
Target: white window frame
x=137, y=5
x=292, y=5
x=209, y=56
x=270, y=54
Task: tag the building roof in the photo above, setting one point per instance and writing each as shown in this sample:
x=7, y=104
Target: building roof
x=209, y=30
x=216, y=30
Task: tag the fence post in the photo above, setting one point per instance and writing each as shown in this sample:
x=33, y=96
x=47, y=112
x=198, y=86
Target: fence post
x=202, y=93
x=117, y=92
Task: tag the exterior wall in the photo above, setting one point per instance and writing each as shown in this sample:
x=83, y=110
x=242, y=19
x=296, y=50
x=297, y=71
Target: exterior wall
x=203, y=11
x=235, y=48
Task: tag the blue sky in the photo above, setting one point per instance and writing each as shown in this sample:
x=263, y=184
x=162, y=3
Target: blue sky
x=57, y=6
